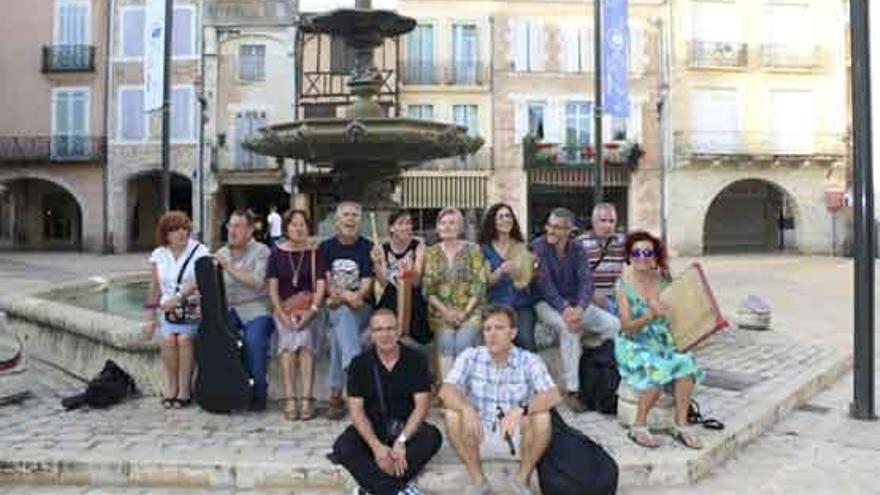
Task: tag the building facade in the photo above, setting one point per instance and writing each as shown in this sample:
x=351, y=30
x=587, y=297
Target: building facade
x=759, y=123
x=53, y=125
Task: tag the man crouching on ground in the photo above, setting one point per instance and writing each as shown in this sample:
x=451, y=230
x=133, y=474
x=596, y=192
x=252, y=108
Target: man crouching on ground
x=497, y=401
x=389, y=441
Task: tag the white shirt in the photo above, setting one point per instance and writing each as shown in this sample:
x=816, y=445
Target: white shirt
x=169, y=267
x=274, y=220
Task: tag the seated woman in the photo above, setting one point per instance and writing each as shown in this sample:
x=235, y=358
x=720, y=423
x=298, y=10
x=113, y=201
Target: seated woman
x=646, y=355
x=454, y=283
x=510, y=267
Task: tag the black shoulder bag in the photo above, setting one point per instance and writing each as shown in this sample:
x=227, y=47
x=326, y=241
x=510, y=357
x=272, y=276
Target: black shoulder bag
x=391, y=427
x=187, y=311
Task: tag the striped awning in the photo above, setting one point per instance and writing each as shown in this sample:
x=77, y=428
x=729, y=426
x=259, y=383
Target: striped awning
x=578, y=177
x=439, y=189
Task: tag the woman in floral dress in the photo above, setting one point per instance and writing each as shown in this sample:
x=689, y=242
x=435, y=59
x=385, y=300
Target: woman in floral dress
x=646, y=355
x=454, y=283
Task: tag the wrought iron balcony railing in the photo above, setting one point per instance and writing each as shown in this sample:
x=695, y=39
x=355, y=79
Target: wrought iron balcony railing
x=717, y=54
x=68, y=58
x=248, y=12
x=465, y=73
x=791, y=56
x=67, y=148
x=539, y=154
x=750, y=143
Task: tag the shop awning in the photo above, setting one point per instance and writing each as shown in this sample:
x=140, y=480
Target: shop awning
x=578, y=177
x=439, y=189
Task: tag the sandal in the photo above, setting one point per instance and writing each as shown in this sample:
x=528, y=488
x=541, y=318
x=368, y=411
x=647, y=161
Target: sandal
x=685, y=435
x=308, y=408
x=291, y=412
x=168, y=402
x=641, y=436
x=182, y=403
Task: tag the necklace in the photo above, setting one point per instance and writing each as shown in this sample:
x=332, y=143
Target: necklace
x=295, y=279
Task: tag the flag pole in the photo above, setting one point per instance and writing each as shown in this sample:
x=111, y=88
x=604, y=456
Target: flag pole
x=597, y=108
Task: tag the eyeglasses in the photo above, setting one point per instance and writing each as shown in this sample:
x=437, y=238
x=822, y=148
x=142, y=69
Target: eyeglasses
x=642, y=253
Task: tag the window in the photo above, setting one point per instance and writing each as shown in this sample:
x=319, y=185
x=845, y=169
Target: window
x=792, y=120
x=528, y=45
x=425, y=112
x=577, y=46
x=182, y=114
x=252, y=62
x=464, y=54
x=341, y=56
x=536, y=119
x=132, y=117
x=247, y=123
x=788, y=34
x=72, y=23
x=133, y=32
x=420, y=55
x=715, y=117
x=70, y=122
x=715, y=22
x=183, y=42
x=466, y=115
x=578, y=115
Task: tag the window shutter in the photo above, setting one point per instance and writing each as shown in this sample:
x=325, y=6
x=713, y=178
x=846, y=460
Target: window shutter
x=537, y=42
x=570, y=47
x=133, y=33
x=521, y=121
x=132, y=118
x=636, y=49
x=182, y=33
x=553, y=120
x=259, y=161
x=181, y=114
x=521, y=46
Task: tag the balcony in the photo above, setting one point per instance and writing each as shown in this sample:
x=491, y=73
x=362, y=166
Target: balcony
x=791, y=56
x=758, y=146
x=716, y=54
x=248, y=13
x=68, y=58
x=52, y=148
x=540, y=154
x=445, y=74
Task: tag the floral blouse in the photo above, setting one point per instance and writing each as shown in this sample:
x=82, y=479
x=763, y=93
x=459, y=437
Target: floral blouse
x=454, y=283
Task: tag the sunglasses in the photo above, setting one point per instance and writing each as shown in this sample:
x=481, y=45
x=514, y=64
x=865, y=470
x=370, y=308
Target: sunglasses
x=642, y=253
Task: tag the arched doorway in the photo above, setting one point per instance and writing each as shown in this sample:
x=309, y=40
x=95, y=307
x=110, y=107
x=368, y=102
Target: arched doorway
x=144, y=205
x=39, y=214
x=750, y=215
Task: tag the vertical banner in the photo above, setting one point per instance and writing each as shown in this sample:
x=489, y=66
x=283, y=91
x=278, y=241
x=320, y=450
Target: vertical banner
x=154, y=56
x=615, y=58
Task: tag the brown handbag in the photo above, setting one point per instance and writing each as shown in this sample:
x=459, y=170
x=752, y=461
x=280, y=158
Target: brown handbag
x=301, y=301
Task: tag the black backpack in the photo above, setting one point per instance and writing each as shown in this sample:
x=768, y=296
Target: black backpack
x=575, y=465
x=599, y=378
x=109, y=387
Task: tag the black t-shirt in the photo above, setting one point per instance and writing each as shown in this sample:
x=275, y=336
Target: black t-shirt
x=347, y=264
x=408, y=377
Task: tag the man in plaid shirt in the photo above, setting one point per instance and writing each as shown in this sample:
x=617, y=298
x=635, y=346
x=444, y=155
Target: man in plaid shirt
x=497, y=401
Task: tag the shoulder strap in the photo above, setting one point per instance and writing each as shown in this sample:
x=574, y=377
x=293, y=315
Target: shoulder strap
x=604, y=251
x=185, y=262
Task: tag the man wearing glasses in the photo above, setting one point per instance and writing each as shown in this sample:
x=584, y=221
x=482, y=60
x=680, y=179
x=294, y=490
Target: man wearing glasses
x=497, y=400
x=565, y=289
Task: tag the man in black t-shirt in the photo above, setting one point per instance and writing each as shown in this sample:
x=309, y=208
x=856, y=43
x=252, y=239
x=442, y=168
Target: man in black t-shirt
x=387, y=445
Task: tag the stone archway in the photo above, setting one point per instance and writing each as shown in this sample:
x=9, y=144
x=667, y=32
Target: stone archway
x=751, y=215
x=39, y=214
x=144, y=205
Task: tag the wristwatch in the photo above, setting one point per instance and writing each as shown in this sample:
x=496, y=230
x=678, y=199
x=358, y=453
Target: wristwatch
x=401, y=439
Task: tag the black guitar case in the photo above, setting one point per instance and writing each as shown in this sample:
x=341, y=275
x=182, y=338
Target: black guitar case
x=222, y=381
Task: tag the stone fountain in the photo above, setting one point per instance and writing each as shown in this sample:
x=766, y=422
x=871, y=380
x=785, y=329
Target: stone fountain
x=366, y=150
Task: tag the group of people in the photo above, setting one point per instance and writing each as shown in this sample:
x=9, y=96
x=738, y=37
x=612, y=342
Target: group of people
x=468, y=335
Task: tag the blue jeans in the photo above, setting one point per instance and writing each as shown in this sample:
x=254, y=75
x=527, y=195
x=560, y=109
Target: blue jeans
x=345, y=343
x=525, y=329
x=256, y=334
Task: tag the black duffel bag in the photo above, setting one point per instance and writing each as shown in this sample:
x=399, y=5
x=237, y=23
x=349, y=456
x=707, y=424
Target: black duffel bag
x=111, y=386
x=599, y=378
x=575, y=465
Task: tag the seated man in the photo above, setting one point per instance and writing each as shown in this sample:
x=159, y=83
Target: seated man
x=565, y=288
x=497, y=399
x=244, y=263
x=381, y=461
x=605, y=252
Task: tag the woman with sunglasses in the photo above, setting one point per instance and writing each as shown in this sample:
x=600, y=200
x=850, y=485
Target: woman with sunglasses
x=646, y=355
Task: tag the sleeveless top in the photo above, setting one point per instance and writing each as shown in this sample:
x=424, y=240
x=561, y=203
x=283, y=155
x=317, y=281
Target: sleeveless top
x=394, y=260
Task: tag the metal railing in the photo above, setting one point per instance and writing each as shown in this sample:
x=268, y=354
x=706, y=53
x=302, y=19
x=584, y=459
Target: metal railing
x=247, y=12
x=538, y=154
x=471, y=73
x=70, y=148
x=717, y=54
x=791, y=56
x=68, y=58
x=756, y=143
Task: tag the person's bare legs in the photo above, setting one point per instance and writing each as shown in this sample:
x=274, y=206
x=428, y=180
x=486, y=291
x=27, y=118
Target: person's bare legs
x=286, y=359
x=647, y=399
x=683, y=388
x=186, y=365
x=466, y=446
x=168, y=346
x=536, y=433
x=307, y=379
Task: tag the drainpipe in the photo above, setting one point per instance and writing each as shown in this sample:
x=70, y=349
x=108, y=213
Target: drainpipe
x=106, y=244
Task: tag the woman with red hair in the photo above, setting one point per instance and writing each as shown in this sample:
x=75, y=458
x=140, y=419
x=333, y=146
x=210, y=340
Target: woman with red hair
x=646, y=355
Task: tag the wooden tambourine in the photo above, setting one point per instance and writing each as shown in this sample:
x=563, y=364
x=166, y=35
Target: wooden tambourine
x=525, y=262
x=693, y=313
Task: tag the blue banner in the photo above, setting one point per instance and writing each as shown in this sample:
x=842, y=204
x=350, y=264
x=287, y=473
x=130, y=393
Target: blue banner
x=615, y=58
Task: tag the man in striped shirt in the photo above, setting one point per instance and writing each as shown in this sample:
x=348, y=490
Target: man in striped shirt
x=605, y=252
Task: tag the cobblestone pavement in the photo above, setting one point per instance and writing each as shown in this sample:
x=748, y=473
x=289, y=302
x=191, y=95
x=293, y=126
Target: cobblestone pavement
x=816, y=449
